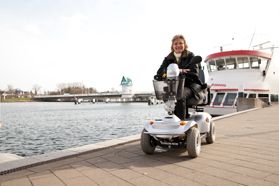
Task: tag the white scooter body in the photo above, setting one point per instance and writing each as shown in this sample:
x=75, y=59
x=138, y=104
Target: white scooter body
x=171, y=126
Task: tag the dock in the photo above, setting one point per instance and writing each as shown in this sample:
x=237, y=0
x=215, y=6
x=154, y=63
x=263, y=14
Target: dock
x=246, y=152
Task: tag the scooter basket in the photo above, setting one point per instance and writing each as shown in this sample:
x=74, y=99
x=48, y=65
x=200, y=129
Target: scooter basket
x=169, y=87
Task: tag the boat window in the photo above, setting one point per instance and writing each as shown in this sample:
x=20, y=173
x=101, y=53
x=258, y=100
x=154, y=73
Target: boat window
x=263, y=97
x=243, y=62
x=220, y=63
x=274, y=98
x=218, y=98
x=240, y=94
x=252, y=96
x=245, y=95
x=231, y=63
x=255, y=62
x=264, y=63
x=212, y=65
x=230, y=98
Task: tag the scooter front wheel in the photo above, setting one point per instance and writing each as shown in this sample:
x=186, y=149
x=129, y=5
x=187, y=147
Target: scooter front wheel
x=147, y=144
x=193, y=142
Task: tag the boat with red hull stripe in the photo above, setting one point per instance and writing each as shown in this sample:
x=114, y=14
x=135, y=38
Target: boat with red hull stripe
x=242, y=73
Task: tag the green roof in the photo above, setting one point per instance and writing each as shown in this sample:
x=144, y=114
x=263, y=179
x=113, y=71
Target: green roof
x=126, y=81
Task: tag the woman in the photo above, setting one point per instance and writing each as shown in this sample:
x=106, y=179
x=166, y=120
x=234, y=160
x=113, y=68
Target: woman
x=182, y=56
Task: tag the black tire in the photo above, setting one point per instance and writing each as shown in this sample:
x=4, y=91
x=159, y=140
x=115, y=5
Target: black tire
x=147, y=143
x=193, y=142
x=211, y=135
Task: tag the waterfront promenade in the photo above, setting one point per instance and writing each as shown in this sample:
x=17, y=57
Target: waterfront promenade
x=246, y=152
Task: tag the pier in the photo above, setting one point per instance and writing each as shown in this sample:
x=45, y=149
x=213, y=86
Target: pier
x=98, y=97
x=246, y=152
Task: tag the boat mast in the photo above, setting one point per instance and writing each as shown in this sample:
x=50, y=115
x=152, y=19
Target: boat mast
x=252, y=39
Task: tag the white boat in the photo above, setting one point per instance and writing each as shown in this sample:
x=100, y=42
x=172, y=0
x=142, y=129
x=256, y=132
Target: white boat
x=242, y=73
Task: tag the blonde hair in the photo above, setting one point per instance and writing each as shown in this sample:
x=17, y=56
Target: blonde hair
x=178, y=37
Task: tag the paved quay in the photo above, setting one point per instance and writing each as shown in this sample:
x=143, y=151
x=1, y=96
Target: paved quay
x=246, y=152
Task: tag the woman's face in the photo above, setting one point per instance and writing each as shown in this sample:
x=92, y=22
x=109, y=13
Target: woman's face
x=178, y=46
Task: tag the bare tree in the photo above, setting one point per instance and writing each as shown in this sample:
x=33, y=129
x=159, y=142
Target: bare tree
x=74, y=88
x=36, y=88
x=92, y=90
x=61, y=87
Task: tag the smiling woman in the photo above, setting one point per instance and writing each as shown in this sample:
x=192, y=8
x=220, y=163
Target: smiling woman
x=181, y=56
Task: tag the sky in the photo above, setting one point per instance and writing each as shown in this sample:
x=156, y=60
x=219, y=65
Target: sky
x=96, y=42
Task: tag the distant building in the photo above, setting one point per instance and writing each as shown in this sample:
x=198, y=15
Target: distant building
x=127, y=86
x=18, y=92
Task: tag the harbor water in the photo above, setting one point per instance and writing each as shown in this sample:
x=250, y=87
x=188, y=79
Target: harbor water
x=41, y=127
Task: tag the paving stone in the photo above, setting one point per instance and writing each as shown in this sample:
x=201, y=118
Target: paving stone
x=109, y=166
x=40, y=175
x=66, y=172
x=54, y=164
x=253, y=165
x=212, y=180
x=118, y=159
x=15, y=175
x=235, y=177
x=17, y=182
x=82, y=165
x=235, y=168
x=274, y=178
x=48, y=180
x=177, y=180
x=102, y=177
x=126, y=174
x=80, y=181
x=96, y=160
x=144, y=180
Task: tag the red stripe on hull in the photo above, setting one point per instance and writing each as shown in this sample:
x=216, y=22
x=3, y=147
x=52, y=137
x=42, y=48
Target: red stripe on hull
x=256, y=89
x=225, y=89
x=238, y=53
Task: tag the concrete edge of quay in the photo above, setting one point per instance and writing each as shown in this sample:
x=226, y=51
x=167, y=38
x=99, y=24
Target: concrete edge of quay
x=27, y=162
x=15, y=165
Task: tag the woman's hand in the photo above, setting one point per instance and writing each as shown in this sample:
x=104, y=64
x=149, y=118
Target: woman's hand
x=184, y=70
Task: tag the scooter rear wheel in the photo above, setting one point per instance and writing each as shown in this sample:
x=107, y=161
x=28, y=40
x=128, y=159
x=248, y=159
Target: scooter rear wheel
x=193, y=142
x=147, y=144
x=211, y=136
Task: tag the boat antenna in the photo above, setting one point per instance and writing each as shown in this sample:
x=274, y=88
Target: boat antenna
x=261, y=45
x=252, y=39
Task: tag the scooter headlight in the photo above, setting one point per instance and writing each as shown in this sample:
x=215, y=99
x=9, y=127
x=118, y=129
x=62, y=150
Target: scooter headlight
x=183, y=123
x=151, y=122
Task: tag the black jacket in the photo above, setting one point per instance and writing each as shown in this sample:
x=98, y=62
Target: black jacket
x=184, y=63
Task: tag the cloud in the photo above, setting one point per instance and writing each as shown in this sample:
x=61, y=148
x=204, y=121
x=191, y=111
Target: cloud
x=32, y=29
x=74, y=23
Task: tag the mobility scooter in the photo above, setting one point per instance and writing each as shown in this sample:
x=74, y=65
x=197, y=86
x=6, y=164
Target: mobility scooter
x=170, y=131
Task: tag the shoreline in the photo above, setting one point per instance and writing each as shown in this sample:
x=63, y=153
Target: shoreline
x=16, y=100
